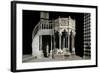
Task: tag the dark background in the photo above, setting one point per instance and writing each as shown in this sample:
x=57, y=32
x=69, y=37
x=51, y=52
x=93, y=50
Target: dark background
x=31, y=18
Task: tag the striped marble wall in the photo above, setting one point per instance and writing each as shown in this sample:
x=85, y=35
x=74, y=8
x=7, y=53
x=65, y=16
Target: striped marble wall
x=87, y=35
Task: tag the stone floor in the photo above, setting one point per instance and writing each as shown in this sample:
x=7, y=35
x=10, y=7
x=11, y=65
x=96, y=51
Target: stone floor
x=29, y=58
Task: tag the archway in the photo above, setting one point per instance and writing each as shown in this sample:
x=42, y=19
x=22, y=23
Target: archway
x=46, y=41
x=64, y=39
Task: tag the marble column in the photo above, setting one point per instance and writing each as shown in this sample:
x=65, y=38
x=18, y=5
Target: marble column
x=59, y=41
x=68, y=42
x=73, y=42
x=51, y=48
x=64, y=42
x=54, y=44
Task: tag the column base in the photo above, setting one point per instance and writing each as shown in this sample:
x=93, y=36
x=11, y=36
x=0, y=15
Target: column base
x=51, y=54
x=73, y=51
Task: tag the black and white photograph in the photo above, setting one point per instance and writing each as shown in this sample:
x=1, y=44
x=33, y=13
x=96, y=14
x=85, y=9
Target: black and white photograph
x=55, y=36
x=48, y=36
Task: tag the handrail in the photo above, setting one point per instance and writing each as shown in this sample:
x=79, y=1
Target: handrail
x=42, y=25
x=35, y=30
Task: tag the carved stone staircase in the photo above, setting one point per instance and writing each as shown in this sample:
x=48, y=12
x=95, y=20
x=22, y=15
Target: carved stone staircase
x=42, y=28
